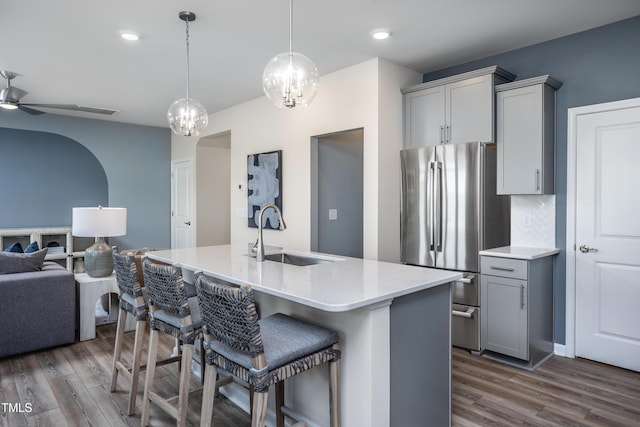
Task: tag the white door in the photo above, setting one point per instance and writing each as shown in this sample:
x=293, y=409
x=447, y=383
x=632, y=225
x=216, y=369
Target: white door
x=182, y=205
x=607, y=257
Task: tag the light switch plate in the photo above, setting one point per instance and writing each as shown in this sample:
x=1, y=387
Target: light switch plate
x=333, y=214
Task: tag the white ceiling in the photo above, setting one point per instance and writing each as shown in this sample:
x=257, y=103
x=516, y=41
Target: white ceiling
x=70, y=51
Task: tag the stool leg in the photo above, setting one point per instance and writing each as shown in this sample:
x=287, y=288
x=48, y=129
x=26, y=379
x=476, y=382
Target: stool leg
x=259, y=409
x=151, y=371
x=208, y=395
x=279, y=403
x=334, y=391
x=117, y=348
x=135, y=370
x=185, y=373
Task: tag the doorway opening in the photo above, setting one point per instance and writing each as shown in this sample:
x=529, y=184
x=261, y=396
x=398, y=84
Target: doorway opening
x=213, y=190
x=337, y=168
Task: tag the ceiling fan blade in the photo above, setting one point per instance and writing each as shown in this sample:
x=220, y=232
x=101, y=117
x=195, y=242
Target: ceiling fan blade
x=74, y=107
x=30, y=110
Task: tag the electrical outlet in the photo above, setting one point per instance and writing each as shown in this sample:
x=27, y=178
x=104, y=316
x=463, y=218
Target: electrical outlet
x=333, y=214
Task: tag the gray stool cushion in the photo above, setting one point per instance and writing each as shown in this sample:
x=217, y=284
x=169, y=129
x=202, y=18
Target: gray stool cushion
x=196, y=318
x=285, y=339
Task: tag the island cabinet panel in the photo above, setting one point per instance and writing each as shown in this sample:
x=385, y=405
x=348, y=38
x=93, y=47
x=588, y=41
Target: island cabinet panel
x=393, y=323
x=526, y=136
x=452, y=110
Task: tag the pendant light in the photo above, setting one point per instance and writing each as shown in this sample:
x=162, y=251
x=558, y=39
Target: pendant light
x=187, y=116
x=290, y=79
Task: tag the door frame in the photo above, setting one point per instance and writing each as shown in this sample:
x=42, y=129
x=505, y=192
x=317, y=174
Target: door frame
x=572, y=151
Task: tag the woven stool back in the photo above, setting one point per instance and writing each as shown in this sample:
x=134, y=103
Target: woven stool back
x=229, y=315
x=128, y=283
x=165, y=288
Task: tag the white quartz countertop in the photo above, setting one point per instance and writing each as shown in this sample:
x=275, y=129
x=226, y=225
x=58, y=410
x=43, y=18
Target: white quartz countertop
x=520, y=252
x=342, y=285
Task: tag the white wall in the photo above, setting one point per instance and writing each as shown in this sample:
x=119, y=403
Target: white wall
x=367, y=96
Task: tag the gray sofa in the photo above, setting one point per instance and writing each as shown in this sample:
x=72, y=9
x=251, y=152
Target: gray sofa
x=37, y=309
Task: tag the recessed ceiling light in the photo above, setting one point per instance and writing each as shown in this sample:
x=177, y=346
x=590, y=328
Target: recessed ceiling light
x=380, y=33
x=129, y=35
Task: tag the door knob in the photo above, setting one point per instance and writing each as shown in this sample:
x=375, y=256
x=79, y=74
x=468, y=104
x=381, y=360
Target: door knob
x=188, y=222
x=584, y=249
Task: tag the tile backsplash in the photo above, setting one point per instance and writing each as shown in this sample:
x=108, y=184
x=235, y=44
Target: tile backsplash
x=533, y=221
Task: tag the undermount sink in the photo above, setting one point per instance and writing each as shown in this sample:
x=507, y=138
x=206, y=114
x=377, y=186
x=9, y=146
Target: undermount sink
x=295, y=259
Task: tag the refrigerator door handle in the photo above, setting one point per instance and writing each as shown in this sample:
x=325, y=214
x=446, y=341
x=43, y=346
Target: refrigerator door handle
x=438, y=207
x=430, y=204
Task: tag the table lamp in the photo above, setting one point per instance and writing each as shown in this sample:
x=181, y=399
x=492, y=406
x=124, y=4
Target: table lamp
x=99, y=222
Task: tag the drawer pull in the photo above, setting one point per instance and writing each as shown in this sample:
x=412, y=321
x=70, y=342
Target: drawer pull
x=493, y=267
x=466, y=314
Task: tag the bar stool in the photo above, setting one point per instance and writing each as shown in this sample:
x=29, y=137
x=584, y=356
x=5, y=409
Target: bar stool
x=260, y=352
x=131, y=301
x=172, y=311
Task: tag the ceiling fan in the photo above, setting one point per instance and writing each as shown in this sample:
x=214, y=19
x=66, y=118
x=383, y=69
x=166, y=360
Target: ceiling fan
x=10, y=100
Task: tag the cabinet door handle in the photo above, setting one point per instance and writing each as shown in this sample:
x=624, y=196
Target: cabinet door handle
x=537, y=179
x=521, y=297
x=448, y=133
x=494, y=267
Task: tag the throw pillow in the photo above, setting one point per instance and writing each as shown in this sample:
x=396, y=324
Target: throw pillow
x=15, y=247
x=12, y=262
x=33, y=247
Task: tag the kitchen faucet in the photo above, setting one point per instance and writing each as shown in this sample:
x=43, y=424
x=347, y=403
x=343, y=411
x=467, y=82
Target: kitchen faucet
x=258, y=247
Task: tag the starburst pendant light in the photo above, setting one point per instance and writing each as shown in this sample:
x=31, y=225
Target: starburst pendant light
x=290, y=79
x=187, y=116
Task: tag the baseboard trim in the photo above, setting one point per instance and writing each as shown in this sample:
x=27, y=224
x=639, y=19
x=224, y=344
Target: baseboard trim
x=559, y=350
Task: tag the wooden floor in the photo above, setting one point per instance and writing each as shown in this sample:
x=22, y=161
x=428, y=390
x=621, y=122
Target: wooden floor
x=69, y=386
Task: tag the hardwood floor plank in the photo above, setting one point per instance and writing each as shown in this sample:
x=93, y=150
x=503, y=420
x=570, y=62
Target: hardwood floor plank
x=52, y=418
x=76, y=403
x=32, y=384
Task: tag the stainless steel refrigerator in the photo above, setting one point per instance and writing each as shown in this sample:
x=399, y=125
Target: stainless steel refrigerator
x=450, y=212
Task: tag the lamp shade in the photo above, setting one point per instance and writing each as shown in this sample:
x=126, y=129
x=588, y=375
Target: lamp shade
x=99, y=222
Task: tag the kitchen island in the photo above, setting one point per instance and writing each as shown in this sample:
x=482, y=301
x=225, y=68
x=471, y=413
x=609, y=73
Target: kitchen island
x=394, y=323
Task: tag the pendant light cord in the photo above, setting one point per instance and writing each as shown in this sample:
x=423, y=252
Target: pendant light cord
x=187, y=33
x=290, y=27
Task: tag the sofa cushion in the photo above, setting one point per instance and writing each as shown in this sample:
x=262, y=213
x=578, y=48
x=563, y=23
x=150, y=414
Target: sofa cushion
x=15, y=247
x=12, y=262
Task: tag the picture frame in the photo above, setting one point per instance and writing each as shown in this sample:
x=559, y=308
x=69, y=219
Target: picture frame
x=264, y=186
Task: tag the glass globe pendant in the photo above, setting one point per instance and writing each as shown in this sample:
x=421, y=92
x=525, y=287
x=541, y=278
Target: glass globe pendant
x=187, y=116
x=290, y=79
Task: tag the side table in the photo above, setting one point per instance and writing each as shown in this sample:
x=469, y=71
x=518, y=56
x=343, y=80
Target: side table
x=88, y=290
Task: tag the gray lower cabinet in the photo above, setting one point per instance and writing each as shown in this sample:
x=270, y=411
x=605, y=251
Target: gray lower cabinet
x=517, y=303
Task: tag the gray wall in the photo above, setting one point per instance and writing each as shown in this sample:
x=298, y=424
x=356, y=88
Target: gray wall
x=595, y=66
x=340, y=186
x=135, y=161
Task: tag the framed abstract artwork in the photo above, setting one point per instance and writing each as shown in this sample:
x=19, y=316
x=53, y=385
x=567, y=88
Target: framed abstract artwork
x=264, y=185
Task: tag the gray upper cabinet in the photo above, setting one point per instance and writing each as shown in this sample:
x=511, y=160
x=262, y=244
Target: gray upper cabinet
x=526, y=136
x=451, y=110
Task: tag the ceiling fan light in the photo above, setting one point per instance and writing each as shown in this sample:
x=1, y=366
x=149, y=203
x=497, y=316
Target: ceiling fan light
x=8, y=105
x=187, y=117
